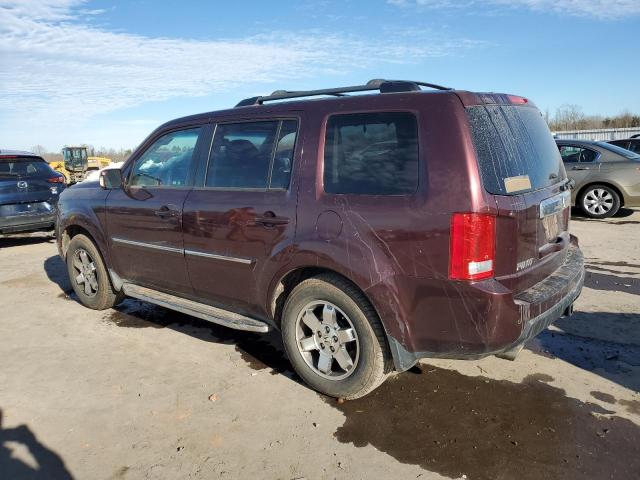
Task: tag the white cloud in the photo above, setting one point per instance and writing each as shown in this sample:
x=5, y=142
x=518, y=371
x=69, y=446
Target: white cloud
x=62, y=69
x=602, y=9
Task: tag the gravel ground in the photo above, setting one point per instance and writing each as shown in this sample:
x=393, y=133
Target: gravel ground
x=143, y=392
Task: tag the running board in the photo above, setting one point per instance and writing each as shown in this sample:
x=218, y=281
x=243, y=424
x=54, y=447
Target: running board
x=196, y=309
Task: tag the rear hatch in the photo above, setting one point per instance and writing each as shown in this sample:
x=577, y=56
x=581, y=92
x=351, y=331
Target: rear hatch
x=521, y=167
x=25, y=186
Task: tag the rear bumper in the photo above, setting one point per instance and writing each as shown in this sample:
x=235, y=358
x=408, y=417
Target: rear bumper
x=27, y=222
x=487, y=320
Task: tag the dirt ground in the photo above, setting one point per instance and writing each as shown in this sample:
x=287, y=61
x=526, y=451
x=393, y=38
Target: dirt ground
x=142, y=392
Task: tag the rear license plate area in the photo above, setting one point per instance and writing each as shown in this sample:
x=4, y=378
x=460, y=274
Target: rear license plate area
x=552, y=215
x=25, y=209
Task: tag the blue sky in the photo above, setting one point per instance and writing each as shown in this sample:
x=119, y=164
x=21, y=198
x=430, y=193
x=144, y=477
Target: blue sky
x=107, y=73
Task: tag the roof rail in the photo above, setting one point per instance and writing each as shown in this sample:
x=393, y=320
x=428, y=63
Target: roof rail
x=384, y=86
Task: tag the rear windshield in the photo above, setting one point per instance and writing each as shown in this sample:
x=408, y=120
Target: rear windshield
x=515, y=149
x=619, y=150
x=24, y=167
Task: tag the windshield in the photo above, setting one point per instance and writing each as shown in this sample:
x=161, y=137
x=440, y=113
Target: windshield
x=75, y=156
x=24, y=167
x=515, y=149
x=619, y=150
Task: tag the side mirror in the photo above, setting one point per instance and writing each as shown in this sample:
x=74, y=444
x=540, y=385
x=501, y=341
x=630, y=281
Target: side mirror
x=110, y=178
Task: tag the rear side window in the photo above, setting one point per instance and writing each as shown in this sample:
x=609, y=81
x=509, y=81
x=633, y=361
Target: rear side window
x=621, y=143
x=252, y=155
x=371, y=154
x=515, y=149
x=24, y=167
x=619, y=150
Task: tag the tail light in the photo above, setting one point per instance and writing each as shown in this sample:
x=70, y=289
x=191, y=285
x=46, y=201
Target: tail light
x=472, y=251
x=56, y=179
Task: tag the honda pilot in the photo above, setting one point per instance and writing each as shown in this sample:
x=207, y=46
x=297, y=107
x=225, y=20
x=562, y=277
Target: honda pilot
x=372, y=225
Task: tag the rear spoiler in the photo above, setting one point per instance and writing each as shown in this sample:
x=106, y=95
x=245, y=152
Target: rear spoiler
x=469, y=99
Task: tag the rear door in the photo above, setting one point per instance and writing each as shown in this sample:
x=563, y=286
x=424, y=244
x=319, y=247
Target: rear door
x=144, y=219
x=242, y=216
x=521, y=166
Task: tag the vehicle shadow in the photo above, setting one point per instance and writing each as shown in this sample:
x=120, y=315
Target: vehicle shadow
x=259, y=351
x=611, y=282
x=607, y=344
x=49, y=464
x=56, y=271
x=21, y=240
x=578, y=215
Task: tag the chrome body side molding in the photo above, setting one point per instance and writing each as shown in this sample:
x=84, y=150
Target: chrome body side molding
x=195, y=253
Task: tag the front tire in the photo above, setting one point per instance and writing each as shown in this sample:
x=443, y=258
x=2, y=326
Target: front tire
x=599, y=201
x=333, y=337
x=88, y=275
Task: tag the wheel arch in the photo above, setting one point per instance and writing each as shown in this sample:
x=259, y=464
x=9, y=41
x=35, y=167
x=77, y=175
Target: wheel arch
x=284, y=283
x=72, y=230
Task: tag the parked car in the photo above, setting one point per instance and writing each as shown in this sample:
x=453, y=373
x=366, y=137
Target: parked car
x=372, y=230
x=607, y=177
x=632, y=144
x=29, y=191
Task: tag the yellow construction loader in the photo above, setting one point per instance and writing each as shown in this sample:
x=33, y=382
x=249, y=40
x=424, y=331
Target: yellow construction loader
x=76, y=163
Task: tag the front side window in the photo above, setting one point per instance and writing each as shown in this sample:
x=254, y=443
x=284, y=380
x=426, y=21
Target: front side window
x=167, y=162
x=371, y=154
x=252, y=155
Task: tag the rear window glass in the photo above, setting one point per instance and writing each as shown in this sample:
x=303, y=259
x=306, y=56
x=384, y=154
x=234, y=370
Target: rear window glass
x=516, y=151
x=619, y=150
x=371, y=154
x=24, y=167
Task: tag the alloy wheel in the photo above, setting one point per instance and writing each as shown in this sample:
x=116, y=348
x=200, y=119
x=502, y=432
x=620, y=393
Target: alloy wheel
x=327, y=340
x=85, y=272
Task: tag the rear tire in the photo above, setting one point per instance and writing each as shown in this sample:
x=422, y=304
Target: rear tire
x=333, y=337
x=88, y=275
x=599, y=201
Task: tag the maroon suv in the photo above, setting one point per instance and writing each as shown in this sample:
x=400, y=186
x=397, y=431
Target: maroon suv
x=372, y=230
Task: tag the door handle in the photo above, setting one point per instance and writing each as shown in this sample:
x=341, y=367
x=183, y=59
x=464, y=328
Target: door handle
x=167, y=211
x=579, y=168
x=269, y=219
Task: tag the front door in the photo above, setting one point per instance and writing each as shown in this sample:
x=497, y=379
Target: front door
x=579, y=162
x=144, y=218
x=242, y=217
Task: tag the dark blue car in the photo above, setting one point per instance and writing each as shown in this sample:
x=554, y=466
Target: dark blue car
x=29, y=191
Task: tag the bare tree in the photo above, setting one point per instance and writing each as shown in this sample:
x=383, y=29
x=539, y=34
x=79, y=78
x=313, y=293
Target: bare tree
x=570, y=117
x=39, y=150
